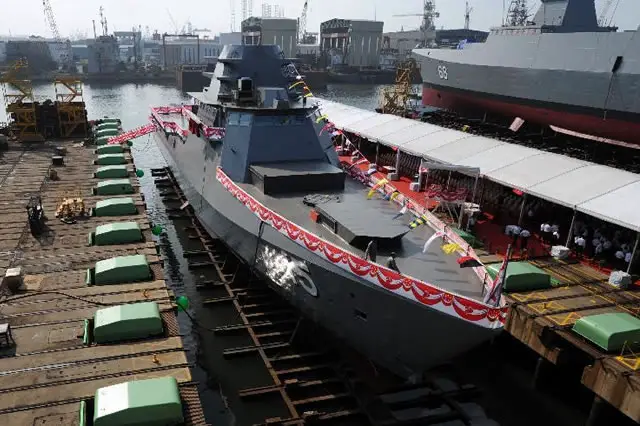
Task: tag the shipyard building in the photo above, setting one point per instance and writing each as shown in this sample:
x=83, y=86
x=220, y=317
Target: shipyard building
x=351, y=43
x=187, y=50
x=41, y=54
x=104, y=55
x=279, y=31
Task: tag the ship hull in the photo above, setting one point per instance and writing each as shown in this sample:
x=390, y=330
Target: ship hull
x=401, y=335
x=584, y=82
x=583, y=121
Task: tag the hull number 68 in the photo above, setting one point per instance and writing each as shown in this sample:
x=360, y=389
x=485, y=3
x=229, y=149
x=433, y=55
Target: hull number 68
x=442, y=72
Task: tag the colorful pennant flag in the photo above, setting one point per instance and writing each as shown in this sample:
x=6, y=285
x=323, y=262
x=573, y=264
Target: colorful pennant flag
x=468, y=262
x=377, y=186
x=431, y=239
x=451, y=248
x=322, y=117
x=402, y=212
x=419, y=221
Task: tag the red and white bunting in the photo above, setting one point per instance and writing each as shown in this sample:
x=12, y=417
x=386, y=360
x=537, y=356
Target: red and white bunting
x=132, y=134
x=427, y=294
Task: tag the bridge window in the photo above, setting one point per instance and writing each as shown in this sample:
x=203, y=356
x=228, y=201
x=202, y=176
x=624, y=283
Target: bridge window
x=240, y=119
x=279, y=120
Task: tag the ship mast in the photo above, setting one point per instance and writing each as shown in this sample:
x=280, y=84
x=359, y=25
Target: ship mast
x=428, y=26
x=518, y=14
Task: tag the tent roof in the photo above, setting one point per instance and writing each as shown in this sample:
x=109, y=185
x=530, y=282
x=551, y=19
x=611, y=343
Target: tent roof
x=604, y=192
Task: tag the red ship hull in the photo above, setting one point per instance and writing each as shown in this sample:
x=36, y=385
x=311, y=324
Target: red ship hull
x=610, y=130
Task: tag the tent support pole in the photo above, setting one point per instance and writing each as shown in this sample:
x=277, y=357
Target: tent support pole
x=524, y=201
x=633, y=253
x=377, y=151
x=570, y=233
x=398, y=162
x=475, y=187
x=448, y=180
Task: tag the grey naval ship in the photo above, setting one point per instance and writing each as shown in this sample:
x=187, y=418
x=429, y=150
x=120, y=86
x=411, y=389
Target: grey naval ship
x=561, y=69
x=273, y=188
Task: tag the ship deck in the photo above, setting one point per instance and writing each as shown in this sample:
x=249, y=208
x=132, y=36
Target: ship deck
x=47, y=370
x=434, y=267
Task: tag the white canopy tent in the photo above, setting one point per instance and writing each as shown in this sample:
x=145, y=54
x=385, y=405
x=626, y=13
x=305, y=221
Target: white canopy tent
x=609, y=194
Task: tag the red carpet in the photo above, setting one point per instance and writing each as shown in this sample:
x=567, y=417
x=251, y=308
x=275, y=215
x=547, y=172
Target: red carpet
x=401, y=185
x=495, y=241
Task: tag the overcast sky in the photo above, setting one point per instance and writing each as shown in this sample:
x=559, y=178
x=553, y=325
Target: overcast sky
x=26, y=17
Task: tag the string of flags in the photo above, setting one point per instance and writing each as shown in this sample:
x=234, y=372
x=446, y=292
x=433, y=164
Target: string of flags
x=450, y=248
x=304, y=87
x=419, y=221
x=374, y=188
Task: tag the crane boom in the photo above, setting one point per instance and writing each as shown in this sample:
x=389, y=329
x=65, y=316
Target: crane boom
x=302, y=23
x=66, y=56
x=602, y=18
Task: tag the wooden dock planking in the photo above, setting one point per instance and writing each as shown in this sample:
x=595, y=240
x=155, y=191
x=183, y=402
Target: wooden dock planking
x=543, y=319
x=44, y=377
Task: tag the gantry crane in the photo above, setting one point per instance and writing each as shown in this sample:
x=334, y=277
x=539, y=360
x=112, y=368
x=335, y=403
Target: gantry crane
x=397, y=99
x=66, y=56
x=467, y=15
x=428, y=25
x=302, y=23
x=602, y=18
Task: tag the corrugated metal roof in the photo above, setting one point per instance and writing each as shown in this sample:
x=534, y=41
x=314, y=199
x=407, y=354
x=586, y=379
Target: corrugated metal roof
x=604, y=192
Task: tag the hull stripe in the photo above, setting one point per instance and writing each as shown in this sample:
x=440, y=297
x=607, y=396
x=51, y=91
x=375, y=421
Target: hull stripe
x=426, y=294
x=616, y=126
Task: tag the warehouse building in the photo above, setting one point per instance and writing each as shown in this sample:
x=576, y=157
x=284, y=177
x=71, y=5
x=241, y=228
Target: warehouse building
x=279, y=31
x=351, y=43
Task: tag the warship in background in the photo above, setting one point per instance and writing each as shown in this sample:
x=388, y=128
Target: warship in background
x=563, y=68
x=262, y=173
x=359, y=52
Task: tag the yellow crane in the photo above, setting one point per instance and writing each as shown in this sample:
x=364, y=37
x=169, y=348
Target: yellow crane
x=397, y=99
x=19, y=102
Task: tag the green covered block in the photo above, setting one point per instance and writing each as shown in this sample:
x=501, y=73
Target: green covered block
x=121, y=269
x=114, y=187
x=111, y=172
x=111, y=159
x=103, y=140
x=115, y=207
x=139, y=402
x=106, y=132
x=116, y=233
x=127, y=322
x=110, y=149
x=610, y=331
x=521, y=276
x=468, y=237
x=108, y=125
x=108, y=120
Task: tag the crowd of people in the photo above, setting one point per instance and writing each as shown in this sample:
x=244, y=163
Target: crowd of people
x=603, y=243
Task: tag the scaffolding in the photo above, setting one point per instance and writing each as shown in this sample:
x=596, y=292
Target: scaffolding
x=72, y=113
x=19, y=102
x=397, y=99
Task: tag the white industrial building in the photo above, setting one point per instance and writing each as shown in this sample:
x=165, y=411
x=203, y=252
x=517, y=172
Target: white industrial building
x=175, y=52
